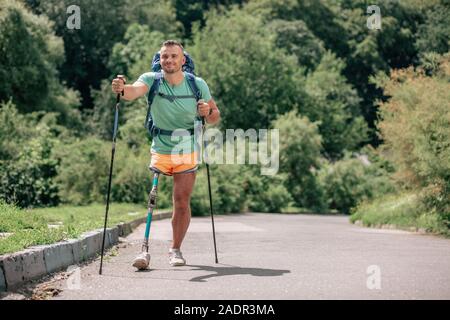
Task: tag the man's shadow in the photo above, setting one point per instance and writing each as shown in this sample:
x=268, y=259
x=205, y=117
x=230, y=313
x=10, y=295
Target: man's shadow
x=231, y=270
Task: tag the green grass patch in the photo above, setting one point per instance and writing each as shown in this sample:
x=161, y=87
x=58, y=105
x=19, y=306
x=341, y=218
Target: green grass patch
x=402, y=210
x=294, y=209
x=50, y=225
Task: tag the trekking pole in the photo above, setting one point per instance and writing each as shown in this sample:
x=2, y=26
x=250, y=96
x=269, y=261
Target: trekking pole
x=113, y=151
x=209, y=190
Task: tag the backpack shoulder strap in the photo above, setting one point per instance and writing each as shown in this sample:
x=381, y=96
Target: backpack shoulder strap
x=194, y=88
x=151, y=95
x=154, y=88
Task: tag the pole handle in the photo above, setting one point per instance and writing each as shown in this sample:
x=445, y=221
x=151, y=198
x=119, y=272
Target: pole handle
x=121, y=77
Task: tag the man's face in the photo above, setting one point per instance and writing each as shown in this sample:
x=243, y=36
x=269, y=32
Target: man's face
x=172, y=59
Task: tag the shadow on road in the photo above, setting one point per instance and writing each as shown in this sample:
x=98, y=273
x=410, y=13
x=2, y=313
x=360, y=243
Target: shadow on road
x=231, y=270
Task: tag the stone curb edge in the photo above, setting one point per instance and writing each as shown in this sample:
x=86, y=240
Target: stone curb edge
x=35, y=262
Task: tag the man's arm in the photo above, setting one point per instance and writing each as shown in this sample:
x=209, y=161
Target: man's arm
x=130, y=92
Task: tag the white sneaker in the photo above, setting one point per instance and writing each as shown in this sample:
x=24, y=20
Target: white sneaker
x=142, y=261
x=176, y=258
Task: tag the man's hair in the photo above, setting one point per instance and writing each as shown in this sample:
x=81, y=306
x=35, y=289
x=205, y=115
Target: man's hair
x=169, y=43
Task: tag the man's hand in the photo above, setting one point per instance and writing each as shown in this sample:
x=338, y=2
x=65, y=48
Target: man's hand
x=118, y=84
x=203, y=108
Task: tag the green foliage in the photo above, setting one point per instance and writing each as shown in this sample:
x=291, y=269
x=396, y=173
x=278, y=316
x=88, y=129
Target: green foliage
x=31, y=227
x=341, y=26
x=298, y=40
x=133, y=55
x=28, y=66
x=158, y=15
x=87, y=49
x=13, y=219
x=14, y=131
x=226, y=187
x=190, y=12
x=300, y=147
x=265, y=193
x=433, y=35
x=404, y=210
x=335, y=105
x=415, y=124
x=133, y=132
x=229, y=64
x=27, y=168
x=262, y=59
x=31, y=66
x=83, y=171
x=103, y=23
x=350, y=181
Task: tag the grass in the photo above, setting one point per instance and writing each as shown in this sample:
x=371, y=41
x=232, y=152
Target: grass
x=300, y=210
x=404, y=211
x=50, y=225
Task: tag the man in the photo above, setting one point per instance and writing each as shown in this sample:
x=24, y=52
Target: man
x=172, y=115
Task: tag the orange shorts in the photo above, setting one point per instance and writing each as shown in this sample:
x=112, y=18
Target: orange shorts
x=170, y=164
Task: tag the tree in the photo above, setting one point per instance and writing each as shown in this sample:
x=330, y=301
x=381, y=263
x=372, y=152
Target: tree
x=87, y=49
x=433, y=33
x=130, y=57
x=27, y=168
x=334, y=103
x=247, y=74
x=298, y=40
x=190, y=12
x=415, y=124
x=103, y=23
x=341, y=27
x=300, y=147
x=28, y=67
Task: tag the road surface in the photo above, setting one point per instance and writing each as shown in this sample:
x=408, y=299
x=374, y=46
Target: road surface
x=273, y=256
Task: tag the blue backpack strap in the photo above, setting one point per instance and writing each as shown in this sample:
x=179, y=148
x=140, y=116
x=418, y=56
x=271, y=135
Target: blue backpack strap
x=194, y=88
x=150, y=97
x=189, y=65
x=156, y=65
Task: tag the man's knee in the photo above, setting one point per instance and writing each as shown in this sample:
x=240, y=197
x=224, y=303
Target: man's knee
x=181, y=205
x=181, y=199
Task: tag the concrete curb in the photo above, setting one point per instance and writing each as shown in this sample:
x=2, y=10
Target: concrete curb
x=35, y=262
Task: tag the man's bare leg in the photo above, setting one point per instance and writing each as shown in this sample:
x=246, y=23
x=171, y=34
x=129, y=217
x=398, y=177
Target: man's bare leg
x=183, y=184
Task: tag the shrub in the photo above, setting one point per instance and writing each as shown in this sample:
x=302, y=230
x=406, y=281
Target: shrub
x=300, y=146
x=83, y=171
x=265, y=193
x=27, y=168
x=226, y=186
x=352, y=180
x=415, y=124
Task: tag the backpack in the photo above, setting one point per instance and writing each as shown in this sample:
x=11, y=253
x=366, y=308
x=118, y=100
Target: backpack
x=189, y=68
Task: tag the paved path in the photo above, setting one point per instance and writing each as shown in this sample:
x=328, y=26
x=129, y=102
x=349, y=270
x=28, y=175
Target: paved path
x=271, y=256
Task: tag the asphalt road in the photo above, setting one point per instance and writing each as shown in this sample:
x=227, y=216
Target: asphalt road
x=272, y=256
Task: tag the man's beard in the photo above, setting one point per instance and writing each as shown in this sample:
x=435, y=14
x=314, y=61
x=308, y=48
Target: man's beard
x=171, y=70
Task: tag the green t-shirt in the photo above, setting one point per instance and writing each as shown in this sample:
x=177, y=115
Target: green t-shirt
x=179, y=114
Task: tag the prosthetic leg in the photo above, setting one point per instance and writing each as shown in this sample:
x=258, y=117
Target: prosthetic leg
x=142, y=261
